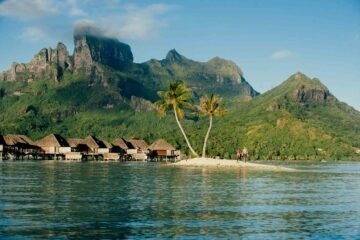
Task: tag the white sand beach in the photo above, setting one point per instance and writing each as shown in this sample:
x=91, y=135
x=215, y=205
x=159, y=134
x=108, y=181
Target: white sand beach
x=211, y=162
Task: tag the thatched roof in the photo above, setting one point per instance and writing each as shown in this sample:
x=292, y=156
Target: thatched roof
x=139, y=144
x=161, y=144
x=74, y=142
x=12, y=139
x=93, y=142
x=107, y=144
x=53, y=140
x=121, y=143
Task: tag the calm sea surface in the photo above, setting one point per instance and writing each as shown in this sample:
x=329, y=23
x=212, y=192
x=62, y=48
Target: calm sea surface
x=50, y=199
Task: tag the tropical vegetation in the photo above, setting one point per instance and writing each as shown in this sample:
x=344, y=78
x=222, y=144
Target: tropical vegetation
x=209, y=106
x=177, y=97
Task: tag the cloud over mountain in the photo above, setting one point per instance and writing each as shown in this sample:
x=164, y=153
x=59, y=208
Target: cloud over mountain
x=133, y=22
x=122, y=21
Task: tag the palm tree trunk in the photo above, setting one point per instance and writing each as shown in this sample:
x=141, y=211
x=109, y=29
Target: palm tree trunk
x=207, y=136
x=183, y=132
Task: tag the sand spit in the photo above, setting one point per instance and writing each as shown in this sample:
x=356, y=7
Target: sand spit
x=210, y=162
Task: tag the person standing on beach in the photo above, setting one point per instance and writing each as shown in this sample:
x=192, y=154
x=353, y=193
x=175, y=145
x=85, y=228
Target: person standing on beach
x=245, y=153
x=238, y=154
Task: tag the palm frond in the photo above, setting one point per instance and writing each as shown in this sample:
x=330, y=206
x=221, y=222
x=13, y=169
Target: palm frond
x=161, y=107
x=212, y=105
x=177, y=96
x=180, y=112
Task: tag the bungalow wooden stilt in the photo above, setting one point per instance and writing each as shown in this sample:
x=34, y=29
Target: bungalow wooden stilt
x=79, y=150
x=121, y=146
x=2, y=143
x=54, y=146
x=16, y=147
x=138, y=150
x=161, y=150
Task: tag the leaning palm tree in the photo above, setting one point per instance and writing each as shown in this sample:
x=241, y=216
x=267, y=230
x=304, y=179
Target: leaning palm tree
x=211, y=106
x=177, y=97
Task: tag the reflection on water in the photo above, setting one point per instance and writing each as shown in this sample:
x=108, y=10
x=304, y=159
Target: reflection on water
x=134, y=200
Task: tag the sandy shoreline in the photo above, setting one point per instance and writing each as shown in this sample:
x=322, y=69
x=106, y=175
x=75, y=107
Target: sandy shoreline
x=210, y=162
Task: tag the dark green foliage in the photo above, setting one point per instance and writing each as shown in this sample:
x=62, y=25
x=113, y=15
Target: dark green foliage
x=2, y=92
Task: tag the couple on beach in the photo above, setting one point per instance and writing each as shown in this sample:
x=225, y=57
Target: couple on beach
x=242, y=155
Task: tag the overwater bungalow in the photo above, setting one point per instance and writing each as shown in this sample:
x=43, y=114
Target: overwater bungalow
x=77, y=145
x=138, y=149
x=108, y=145
x=93, y=148
x=78, y=149
x=121, y=146
x=54, y=146
x=19, y=146
x=111, y=155
x=162, y=150
x=95, y=145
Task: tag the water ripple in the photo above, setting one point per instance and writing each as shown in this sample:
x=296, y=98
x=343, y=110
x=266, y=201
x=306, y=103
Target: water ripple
x=128, y=200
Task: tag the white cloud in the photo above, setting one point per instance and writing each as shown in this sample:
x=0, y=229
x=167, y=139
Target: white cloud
x=281, y=54
x=77, y=12
x=34, y=34
x=31, y=9
x=140, y=23
x=28, y=9
x=113, y=18
x=135, y=23
x=74, y=9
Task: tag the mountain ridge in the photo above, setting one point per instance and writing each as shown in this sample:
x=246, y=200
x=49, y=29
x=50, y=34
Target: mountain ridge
x=96, y=56
x=99, y=90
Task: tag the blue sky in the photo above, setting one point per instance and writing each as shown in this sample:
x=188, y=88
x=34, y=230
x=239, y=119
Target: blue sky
x=269, y=40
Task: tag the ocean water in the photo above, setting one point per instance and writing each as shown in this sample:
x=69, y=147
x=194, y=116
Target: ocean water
x=48, y=199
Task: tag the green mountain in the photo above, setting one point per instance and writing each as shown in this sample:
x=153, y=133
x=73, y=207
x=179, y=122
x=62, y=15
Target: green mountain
x=100, y=90
x=299, y=119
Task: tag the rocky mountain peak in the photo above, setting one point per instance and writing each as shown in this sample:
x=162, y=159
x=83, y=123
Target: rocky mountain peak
x=305, y=94
x=226, y=69
x=302, y=88
x=173, y=56
x=49, y=63
x=100, y=59
x=299, y=80
x=90, y=50
x=299, y=76
x=298, y=88
x=61, y=56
